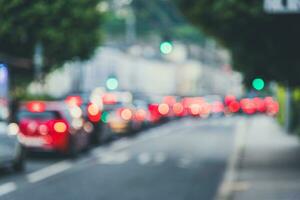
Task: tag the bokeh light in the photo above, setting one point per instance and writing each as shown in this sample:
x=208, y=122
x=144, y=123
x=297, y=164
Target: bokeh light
x=166, y=47
x=258, y=84
x=112, y=83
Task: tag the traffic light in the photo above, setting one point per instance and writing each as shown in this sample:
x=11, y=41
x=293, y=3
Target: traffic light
x=112, y=83
x=258, y=84
x=166, y=47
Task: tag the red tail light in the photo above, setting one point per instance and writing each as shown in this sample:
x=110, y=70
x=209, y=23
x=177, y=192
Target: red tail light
x=74, y=100
x=153, y=108
x=234, y=107
x=140, y=115
x=60, y=127
x=126, y=114
x=163, y=109
x=195, y=109
x=94, y=113
x=36, y=106
x=229, y=99
x=259, y=104
x=248, y=106
x=154, y=113
x=178, y=109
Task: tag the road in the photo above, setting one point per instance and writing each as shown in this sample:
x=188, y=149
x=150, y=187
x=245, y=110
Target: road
x=183, y=159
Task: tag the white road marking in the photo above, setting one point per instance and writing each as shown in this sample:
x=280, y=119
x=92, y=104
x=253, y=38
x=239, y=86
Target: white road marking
x=49, y=171
x=240, y=186
x=120, y=145
x=97, y=151
x=228, y=183
x=114, y=158
x=144, y=158
x=7, y=188
x=159, y=158
x=154, y=136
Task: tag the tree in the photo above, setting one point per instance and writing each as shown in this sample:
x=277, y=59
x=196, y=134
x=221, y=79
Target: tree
x=261, y=44
x=67, y=29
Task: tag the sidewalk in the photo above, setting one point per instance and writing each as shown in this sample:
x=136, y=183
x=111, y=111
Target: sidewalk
x=268, y=166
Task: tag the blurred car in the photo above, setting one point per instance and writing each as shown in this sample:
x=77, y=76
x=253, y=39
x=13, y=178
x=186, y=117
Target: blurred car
x=12, y=152
x=259, y=105
x=91, y=112
x=272, y=106
x=119, y=120
x=215, y=102
x=53, y=126
x=159, y=110
x=195, y=106
x=142, y=113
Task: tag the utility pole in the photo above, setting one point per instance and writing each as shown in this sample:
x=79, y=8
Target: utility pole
x=38, y=65
x=130, y=26
x=284, y=7
x=125, y=10
x=288, y=110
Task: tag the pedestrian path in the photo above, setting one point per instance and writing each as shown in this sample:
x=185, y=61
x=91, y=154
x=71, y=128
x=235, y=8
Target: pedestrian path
x=268, y=166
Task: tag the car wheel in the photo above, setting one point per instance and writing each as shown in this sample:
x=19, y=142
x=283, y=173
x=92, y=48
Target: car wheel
x=19, y=162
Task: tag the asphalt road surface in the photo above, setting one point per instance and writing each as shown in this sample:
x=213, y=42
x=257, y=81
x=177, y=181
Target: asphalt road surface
x=183, y=159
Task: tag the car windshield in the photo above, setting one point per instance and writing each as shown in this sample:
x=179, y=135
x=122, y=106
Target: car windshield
x=113, y=106
x=47, y=115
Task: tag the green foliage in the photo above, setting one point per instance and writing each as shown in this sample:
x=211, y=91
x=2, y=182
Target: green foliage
x=262, y=45
x=188, y=33
x=28, y=97
x=113, y=26
x=67, y=29
x=281, y=93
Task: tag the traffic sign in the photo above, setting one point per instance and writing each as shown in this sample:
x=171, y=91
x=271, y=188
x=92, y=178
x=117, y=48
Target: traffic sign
x=282, y=6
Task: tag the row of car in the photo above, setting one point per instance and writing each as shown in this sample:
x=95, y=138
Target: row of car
x=77, y=122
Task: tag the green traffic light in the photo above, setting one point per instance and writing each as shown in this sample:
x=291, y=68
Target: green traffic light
x=258, y=84
x=112, y=83
x=166, y=47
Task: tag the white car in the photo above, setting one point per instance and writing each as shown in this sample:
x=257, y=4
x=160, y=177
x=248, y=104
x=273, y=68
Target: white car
x=12, y=154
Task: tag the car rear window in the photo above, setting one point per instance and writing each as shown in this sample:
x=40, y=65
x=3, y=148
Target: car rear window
x=47, y=115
